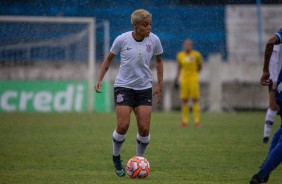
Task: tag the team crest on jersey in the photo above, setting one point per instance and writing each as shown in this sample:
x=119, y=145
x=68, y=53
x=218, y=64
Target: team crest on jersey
x=119, y=98
x=189, y=59
x=149, y=48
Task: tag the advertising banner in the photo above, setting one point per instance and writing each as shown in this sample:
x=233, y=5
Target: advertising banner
x=50, y=96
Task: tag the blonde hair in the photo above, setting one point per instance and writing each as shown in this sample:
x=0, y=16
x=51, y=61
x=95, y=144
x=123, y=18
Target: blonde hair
x=138, y=15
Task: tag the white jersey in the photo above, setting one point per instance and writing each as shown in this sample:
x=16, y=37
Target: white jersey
x=135, y=57
x=275, y=62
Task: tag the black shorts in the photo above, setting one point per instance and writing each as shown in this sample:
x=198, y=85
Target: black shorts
x=132, y=98
x=270, y=85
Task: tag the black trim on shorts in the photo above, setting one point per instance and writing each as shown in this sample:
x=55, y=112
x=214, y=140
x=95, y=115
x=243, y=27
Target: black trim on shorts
x=133, y=98
x=270, y=85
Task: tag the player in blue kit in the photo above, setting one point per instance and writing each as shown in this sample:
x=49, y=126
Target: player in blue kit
x=274, y=157
x=275, y=65
x=133, y=84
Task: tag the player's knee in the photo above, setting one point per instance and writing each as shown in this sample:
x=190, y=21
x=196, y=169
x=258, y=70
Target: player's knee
x=144, y=131
x=184, y=100
x=195, y=100
x=273, y=107
x=122, y=129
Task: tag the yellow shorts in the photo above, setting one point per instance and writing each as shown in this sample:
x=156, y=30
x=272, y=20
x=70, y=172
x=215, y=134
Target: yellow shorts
x=189, y=90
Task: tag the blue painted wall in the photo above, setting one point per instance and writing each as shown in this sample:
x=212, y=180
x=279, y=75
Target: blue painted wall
x=171, y=22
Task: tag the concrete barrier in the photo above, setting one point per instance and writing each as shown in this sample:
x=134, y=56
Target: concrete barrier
x=224, y=85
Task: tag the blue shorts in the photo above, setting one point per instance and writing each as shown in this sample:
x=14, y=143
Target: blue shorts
x=279, y=104
x=278, y=100
x=133, y=98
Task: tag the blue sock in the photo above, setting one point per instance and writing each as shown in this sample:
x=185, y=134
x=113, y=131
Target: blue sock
x=274, y=157
x=274, y=141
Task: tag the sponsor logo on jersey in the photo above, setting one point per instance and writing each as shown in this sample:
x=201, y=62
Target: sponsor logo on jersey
x=149, y=48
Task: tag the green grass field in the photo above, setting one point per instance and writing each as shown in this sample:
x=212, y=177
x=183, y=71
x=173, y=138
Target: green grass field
x=76, y=148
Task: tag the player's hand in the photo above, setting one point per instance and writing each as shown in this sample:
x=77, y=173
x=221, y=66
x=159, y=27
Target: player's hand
x=264, y=80
x=98, y=87
x=176, y=84
x=158, y=93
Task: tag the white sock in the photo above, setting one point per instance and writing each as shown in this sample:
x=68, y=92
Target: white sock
x=269, y=120
x=117, y=143
x=141, y=144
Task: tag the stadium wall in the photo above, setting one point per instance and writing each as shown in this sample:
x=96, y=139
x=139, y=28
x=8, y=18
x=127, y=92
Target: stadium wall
x=224, y=85
x=242, y=34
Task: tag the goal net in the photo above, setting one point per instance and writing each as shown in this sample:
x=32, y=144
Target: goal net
x=57, y=48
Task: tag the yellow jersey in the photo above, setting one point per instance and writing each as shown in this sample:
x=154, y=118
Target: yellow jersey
x=189, y=65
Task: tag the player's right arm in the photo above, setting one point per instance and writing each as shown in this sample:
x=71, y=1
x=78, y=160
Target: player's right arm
x=103, y=70
x=115, y=49
x=275, y=39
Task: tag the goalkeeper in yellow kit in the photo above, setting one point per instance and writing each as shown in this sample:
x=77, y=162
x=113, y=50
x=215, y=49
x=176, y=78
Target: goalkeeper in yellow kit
x=189, y=65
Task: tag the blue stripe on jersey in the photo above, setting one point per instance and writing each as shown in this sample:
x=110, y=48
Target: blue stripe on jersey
x=278, y=94
x=279, y=34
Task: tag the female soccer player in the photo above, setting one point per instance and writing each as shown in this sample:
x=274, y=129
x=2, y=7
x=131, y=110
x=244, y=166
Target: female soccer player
x=275, y=65
x=133, y=84
x=189, y=65
x=274, y=157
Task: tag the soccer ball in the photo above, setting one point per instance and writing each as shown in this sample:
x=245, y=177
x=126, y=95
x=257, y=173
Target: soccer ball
x=138, y=167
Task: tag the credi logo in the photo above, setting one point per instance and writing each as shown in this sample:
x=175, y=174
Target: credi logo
x=67, y=100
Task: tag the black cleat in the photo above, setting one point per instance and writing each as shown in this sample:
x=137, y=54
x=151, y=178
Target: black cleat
x=265, y=180
x=265, y=140
x=255, y=180
x=119, y=169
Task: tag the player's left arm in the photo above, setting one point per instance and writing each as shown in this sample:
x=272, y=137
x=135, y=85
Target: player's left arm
x=158, y=91
x=178, y=69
